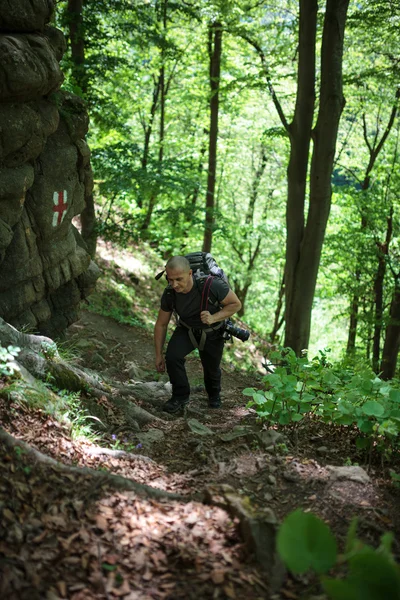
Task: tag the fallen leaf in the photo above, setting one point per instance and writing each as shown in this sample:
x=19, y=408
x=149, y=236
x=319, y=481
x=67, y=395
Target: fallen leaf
x=101, y=522
x=62, y=588
x=229, y=591
x=218, y=576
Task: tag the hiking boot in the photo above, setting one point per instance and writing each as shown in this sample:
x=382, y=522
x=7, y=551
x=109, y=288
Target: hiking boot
x=214, y=402
x=174, y=405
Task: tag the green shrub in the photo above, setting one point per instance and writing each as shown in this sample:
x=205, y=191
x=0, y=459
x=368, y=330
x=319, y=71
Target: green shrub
x=305, y=542
x=342, y=395
x=8, y=367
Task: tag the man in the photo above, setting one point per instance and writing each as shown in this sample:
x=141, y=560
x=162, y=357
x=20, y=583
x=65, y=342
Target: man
x=198, y=327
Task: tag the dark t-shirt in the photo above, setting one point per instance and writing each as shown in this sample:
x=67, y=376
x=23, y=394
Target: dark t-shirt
x=188, y=305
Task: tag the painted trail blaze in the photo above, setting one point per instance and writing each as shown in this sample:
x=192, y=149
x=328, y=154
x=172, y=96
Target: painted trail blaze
x=60, y=207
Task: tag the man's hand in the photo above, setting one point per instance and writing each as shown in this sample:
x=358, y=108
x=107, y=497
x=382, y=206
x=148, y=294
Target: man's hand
x=160, y=364
x=207, y=318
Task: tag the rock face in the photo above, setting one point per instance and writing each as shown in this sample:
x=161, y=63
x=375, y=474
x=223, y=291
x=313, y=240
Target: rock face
x=45, y=175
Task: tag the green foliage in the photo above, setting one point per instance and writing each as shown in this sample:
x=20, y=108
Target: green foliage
x=7, y=360
x=305, y=542
x=127, y=44
x=70, y=410
x=339, y=394
x=49, y=350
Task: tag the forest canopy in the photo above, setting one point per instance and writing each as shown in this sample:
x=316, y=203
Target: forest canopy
x=264, y=132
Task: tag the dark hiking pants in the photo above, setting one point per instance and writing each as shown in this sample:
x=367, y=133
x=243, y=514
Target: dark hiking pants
x=180, y=346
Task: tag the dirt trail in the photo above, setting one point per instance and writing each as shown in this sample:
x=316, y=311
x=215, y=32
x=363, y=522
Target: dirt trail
x=66, y=537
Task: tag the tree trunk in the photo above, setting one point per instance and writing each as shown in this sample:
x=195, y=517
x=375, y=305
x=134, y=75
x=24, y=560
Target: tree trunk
x=279, y=319
x=383, y=251
x=215, y=51
x=304, y=245
x=374, y=151
x=241, y=292
x=392, y=338
x=162, y=91
x=77, y=41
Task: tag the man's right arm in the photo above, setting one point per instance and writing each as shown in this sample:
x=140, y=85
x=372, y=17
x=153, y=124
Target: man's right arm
x=160, y=333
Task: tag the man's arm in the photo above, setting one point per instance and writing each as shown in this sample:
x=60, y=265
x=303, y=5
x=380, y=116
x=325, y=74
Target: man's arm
x=160, y=333
x=230, y=305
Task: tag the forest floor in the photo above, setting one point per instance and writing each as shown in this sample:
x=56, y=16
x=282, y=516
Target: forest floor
x=66, y=536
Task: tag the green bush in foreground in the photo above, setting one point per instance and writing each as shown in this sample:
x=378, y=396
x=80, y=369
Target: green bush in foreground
x=305, y=542
x=7, y=360
x=341, y=395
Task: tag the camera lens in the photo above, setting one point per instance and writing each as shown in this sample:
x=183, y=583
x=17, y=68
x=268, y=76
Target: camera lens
x=241, y=334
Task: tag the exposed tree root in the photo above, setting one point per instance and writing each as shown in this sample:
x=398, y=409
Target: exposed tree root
x=39, y=359
x=97, y=451
x=100, y=477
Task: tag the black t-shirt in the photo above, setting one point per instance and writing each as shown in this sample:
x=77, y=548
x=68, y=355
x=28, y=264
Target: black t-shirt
x=188, y=305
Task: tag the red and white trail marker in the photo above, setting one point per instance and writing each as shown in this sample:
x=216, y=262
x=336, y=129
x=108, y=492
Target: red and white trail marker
x=60, y=207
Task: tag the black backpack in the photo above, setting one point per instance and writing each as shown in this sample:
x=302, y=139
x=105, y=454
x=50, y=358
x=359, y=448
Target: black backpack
x=203, y=265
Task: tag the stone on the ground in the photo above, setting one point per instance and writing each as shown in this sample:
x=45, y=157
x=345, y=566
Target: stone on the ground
x=267, y=439
x=236, y=432
x=199, y=428
x=352, y=473
x=150, y=437
x=134, y=371
x=258, y=529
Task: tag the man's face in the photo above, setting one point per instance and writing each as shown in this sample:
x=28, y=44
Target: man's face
x=180, y=281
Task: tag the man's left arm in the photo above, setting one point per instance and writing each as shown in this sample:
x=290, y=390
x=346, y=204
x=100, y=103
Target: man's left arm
x=230, y=305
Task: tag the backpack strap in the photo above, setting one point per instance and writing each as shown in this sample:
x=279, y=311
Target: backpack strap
x=206, y=293
x=203, y=338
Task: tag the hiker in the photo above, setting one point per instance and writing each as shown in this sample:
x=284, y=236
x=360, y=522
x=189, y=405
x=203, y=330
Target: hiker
x=198, y=327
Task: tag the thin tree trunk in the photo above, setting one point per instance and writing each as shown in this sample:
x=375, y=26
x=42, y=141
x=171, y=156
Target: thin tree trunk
x=392, y=338
x=200, y=168
x=162, y=91
x=77, y=41
x=215, y=51
x=304, y=245
x=374, y=151
x=383, y=251
x=279, y=319
x=148, y=131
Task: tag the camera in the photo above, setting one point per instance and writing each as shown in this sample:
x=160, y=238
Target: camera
x=229, y=330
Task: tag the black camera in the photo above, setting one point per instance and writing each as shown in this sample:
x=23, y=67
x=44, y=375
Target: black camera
x=229, y=330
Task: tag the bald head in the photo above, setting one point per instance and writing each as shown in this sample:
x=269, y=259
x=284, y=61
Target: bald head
x=179, y=274
x=178, y=263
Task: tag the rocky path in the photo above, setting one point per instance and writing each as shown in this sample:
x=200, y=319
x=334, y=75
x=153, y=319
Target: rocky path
x=67, y=534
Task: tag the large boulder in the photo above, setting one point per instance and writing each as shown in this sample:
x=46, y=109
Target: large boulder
x=45, y=176
x=20, y=15
x=28, y=67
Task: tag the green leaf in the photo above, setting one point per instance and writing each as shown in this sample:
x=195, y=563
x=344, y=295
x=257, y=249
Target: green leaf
x=284, y=418
x=305, y=542
x=337, y=589
x=395, y=414
x=297, y=417
x=365, y=425
x=259, y=399
x=394, y=395
x=351, y=539
x=373, y=408
x=362, y=443
x=375, y=576
x=306, y=397
x=248, y=392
